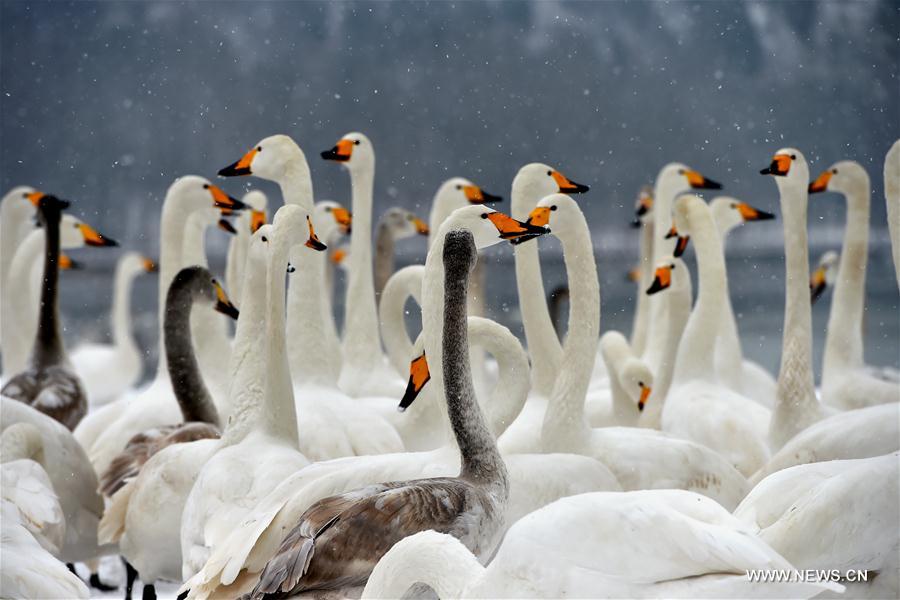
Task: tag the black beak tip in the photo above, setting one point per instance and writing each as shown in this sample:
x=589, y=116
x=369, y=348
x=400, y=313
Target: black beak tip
x=635, y=223
x=228, y=309
x=409, y=396
x=709, y=184
x=110, y=242
x=654, y=287
x=232, y=171
x=766, y=171
x=765, y=216
x=579, y=188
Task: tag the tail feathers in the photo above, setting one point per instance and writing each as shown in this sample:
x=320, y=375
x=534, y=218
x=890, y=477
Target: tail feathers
x=290, y=564
x=112, y=525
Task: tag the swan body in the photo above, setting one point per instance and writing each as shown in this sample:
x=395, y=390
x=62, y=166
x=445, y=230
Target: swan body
x=108, y=370
x=698, y=407
x=846, y=383
x=838, y=514
x=645, y=544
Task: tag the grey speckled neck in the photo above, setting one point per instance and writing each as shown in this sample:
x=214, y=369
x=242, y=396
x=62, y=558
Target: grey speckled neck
x=481, y=460
x=193, y=398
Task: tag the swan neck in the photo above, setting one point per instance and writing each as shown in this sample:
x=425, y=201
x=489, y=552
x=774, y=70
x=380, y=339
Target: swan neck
x=172, y=225
x=296, y=184
x=564, y=418
x=48, y=346
x=392, y=310
x=187, y=383
x=480, y=459
x=121, y=309
x=640, y=323
x=384, y=256
x=843, y=346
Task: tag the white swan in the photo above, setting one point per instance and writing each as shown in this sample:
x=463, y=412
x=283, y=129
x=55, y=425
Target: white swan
x=698, y=406
x=155, y=405
x=395, y=224
x=405, y=283
x=630, y=385
x=639, y=458
x=742, y=375
x=892, y=201
x=108, y=370
x=796, y=406
x=840, y=514
x=245, y=225
x=534, y=480
x=26, y=277
x=364, y=371
x=846, y=382
x=259, y=446
x=645, y=544
x=531, y=183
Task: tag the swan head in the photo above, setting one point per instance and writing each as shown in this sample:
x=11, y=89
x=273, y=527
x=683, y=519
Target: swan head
x=668, y=272
x=636, y=379
x=490, y=227
x=332, y=219
x=643, y=206
x=845, y=177
x=460, y=191
x=205, y=288
x=682, y=177
x=536, y=180
x=289, y=228
x=207, y=217
x=824, y=275
x=197, y=192
x=730, y=212
x=789, y=167
x=558, y=211
x=135, y=263
x=270, y=159
x=75, y=233
x=403, y=224
x=257, y=202
x=354, y=150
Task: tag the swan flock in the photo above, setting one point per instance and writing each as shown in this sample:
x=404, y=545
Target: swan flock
x=272, y=453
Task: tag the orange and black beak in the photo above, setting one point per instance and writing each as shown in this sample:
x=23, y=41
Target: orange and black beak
x=566, y=185
x=749, y=213
x=419, y=375
x=516, y=232
x=662, y=279
x=257, y=220
x=341, y=152
x=476, y=195
x=817, y=284
x=313, y=241
x=223, y=304
x=699, y=182
x=421, y=226
x=221, y=200
x=35, y=197
x=67, y=264
x=149, y=265
x=645, y=393
x=93, y=238
x=241, y=167
x=225, y=225
x=821, y=183
x=682, y=243
x=781, y=164
x=344, y=218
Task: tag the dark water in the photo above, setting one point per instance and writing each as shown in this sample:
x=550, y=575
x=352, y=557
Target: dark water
x=755, y=280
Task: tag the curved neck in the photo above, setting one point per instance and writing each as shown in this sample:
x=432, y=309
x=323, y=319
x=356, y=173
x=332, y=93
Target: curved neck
x=543, y=343
x=193, y=398
x=437, y=560
x=17, y=336
x=121, y=307
x=796, y=405
x=843, y=345
x=296, y=183
x=564, y=423
x=314, y=350
x=513, y=381
x=48, y=346
x=384, y=256
x=392, y=310
x=480, y=458
x=248, y=355
x=696, y=351
x=640, y=323
x=280, y=412
x=362, y=346
x=172, y=224
x=443, y=203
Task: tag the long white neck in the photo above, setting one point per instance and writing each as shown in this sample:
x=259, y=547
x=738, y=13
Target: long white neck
x=513, y=376
x=121, y=307
x=615, y=352
x=843, y=345
x=444, y=203
x=247, y=395
x=18, y=331
x=172, y=224
x=564, y=424
x=237, y=254
x=641, y=323
x=696, y=352
x=362, y=346
x=437, y=560
x=796, y=405
x=14, y=214
x=729, y=357
x=678, y=298
x=314, y=350
x=392, y=309
x=543, y=343
x=892, y=199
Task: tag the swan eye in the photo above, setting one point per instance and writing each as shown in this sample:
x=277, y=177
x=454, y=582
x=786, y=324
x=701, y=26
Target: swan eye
x=459, y=187
x=484, y=215
x=553, y=207
x=264, y=238
x=681, y=171
x=205, y=186
x=733, y=205
x=834, y=171
x=357, y=142
x=327, y=209
x=259, y=148
x=549, y=173
x=641, y=383
x=793, y=157
x=672, y=266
